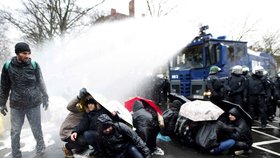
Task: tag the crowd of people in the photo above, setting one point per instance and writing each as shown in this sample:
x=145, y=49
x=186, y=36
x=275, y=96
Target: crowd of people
x=255, y=91
x=90, y=126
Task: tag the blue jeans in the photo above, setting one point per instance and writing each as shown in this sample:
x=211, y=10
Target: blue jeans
x=17, y=119
x=224, y=145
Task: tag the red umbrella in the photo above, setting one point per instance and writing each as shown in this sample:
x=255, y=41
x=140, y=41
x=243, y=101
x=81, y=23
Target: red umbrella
x=129, y=104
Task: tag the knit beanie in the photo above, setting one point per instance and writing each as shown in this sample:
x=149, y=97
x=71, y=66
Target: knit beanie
x=22, y=47
x=90, y=101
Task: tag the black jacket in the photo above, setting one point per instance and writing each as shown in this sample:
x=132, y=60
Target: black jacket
x=170, y=117
x=238, y=130
x=141, y=117
x=89, y=121
x=122, y=136
x=215, y=85
x=26, y=84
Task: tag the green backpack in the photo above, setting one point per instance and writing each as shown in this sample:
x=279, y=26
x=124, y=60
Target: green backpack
x=8, y=63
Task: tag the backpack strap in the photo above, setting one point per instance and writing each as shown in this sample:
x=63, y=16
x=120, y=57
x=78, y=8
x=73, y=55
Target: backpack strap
x=34, y=64
x=7, y=64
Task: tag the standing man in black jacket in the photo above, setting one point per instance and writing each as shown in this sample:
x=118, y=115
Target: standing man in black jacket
x=23, y=78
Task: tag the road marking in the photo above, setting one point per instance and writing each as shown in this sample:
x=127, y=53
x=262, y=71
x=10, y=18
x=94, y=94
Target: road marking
x=267, y=142
x=266, y=150
x=258, y=144
x=260, y=132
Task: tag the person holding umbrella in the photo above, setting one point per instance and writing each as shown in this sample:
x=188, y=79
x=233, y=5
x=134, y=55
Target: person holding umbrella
x=242, y=132
x=87, y=127
x=236, y=132
x=147, y=126
x=170, y=117
x=76, y=112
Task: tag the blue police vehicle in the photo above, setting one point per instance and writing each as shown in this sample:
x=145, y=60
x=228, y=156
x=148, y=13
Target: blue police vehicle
x=188, y=70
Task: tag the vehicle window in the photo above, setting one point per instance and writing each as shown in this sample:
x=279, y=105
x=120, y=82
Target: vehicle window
x=194, y=57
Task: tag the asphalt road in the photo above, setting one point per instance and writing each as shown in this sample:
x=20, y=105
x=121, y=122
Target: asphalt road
x=266, y=144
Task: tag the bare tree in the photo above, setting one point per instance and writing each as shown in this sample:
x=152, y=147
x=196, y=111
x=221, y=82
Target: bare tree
x=269, y=43
x=158, y=8
x=4, y=43
x=41, y=20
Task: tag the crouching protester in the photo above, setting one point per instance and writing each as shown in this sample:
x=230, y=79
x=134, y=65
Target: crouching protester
x=213, y=137
x=71, y=121
x=117, y=140
x=147, y=126
x=88, y=127
x=241, y=133
x=238, y=134
x=170, y=117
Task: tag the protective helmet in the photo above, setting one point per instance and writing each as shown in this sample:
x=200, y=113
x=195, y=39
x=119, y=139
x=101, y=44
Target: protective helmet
x=258, y=70
x=214, y=69
x=245, y=69
x=237, y=69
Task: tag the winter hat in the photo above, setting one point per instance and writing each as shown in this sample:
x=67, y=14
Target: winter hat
x=22, y=47
x=90, y=101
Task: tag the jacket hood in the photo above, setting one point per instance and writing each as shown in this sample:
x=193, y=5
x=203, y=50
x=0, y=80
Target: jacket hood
x=104, y=122
x=137, y=106
x=176, y=104
x=104, y=119
x=235, y=112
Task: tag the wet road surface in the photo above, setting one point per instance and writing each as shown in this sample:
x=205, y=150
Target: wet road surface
x=266, y=145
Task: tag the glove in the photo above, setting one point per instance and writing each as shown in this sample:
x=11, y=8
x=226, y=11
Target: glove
x=3, y=110
x=45, y=103
x=83, y=92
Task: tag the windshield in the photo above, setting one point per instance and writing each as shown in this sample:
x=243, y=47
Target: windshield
x=188, y=58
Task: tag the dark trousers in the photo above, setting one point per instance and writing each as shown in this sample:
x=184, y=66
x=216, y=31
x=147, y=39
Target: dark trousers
x=91, y=138
x=149, y=135
x=79, y=144
x=258, y=107
x=130, y=151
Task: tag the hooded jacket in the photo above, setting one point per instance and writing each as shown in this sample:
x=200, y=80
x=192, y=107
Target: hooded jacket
x=115, y=143
x=170, y=117
x=238, y=129
x=26, y=84
x=141, y=117
x=71, y=120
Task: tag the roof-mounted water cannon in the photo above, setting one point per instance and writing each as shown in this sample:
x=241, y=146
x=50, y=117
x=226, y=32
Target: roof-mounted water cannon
x=202, y=34
x=202, y=30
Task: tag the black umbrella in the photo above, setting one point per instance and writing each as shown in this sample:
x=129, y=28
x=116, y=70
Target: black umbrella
x=181, y=98
x=226, y=106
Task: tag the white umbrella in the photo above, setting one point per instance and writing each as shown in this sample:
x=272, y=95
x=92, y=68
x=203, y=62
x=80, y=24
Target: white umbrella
x=199, y=110
x=113, y=106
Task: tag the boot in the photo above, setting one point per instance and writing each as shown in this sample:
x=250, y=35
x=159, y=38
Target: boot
x=68, y=153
